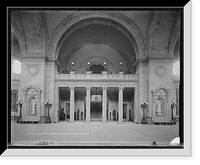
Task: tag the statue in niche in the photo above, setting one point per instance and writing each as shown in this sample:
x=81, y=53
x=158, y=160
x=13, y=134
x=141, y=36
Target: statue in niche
x=159, y=107
x=34, y=108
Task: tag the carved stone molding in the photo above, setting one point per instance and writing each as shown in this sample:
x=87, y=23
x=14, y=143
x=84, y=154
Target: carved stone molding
x=160, y=99
x=33, y=70
x=32, y=98
x=160, y=71
x=159, y=50
x=160, y=92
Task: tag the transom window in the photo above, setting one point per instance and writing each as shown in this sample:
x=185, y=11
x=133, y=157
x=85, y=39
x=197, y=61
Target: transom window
x=16, y=67
x=176, y=68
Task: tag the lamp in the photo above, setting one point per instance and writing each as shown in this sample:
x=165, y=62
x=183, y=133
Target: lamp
x=72, y=66
x=104, y=66
x=144, y=106
x=48, y=104
x=88, y=68
x=19, y=103
x=173, y=105
x=120, y=64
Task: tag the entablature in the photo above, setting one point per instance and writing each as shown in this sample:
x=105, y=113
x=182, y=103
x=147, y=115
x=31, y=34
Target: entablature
x=97, y=77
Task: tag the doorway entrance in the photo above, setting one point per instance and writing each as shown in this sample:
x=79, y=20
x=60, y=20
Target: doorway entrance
x=96, y=111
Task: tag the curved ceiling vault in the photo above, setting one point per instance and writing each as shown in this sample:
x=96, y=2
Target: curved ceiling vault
x=93, y=31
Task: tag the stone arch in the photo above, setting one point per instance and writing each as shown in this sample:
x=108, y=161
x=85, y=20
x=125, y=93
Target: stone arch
x=121, y=19
x=103, y=43
x=19, y=35
x=176, y=52
x=173, y=40
x=174, y=34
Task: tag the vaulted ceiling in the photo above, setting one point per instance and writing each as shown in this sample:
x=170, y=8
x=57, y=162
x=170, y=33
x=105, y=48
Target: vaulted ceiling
x=160, y=32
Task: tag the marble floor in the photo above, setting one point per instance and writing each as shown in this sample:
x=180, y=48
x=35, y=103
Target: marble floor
x=92, y=134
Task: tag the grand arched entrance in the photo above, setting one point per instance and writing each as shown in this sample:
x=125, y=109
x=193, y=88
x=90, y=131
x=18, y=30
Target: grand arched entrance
x=97, y=56
x=114, y=51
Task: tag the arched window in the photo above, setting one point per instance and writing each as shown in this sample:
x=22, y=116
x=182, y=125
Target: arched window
x=16, y=66
x=176, y=68
x=97, y=68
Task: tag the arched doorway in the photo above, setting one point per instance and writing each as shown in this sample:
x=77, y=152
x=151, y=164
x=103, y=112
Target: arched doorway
x=97, y=68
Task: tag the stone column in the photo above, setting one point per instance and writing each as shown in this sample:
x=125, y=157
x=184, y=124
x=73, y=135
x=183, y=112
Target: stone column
x=104, y=104
x=136, y=105
x=71, y=104
x=56, y=105
x=88, y=104
x=120, y=105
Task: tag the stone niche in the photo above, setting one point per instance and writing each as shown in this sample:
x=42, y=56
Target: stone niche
x=160, y=106
x=32, y=104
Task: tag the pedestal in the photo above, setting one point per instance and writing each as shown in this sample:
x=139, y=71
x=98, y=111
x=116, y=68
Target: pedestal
x=144, y=121
x=45, y=119
x=144, y=118
x=48, y=119
x=42, y=119
x=149, y=120
x=173, y=121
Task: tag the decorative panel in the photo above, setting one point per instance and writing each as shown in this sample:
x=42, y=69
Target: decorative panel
x=32, y=98
x=160, y=100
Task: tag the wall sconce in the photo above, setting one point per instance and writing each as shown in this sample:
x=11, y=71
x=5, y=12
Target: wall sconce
x=88, y=66
x=72, y=66
x=144, y=106
x=104, y=66
x=120, y=66
x=48, y=104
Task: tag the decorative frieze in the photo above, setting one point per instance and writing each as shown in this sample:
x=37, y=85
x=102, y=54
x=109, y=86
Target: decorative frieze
x=124, y=77
x=160, y=100
x=159, y=50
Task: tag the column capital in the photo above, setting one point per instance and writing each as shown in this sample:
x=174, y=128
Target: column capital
x=71, y=88
x=121, y=88
x=104, y=88
x=88, y=87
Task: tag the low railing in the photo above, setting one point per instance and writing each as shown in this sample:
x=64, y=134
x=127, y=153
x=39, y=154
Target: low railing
x=108, y=77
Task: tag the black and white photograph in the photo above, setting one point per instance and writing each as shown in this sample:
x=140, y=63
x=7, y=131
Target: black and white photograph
x=97, y=78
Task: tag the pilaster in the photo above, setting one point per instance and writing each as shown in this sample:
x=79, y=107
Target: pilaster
x=136, y=105
x=104, y=104
x=71, y=104
x=88, y=104
x=120, y=105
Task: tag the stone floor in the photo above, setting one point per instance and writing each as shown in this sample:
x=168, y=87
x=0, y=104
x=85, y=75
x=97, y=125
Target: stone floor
x=92, y=134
